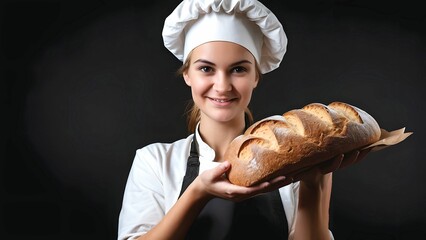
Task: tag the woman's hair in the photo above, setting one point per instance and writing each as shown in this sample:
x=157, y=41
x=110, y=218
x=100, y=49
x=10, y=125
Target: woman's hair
x=193, y=112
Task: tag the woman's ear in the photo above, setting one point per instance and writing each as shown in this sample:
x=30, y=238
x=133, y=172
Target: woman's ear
x=186, y=78
x=256, y=81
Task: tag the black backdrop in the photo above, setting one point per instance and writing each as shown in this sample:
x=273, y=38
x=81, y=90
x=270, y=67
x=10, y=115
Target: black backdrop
x=86, y=83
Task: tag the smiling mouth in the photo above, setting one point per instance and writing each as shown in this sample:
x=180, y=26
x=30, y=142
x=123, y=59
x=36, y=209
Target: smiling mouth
x=222, y=100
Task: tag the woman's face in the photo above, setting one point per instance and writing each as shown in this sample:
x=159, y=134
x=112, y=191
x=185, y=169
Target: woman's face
x=222, y=76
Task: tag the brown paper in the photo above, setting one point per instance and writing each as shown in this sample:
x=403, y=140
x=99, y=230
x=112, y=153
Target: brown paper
x=389, y=138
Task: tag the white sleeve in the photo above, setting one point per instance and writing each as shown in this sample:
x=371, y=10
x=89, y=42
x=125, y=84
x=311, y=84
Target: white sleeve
x=143, y=199
x=289, y=196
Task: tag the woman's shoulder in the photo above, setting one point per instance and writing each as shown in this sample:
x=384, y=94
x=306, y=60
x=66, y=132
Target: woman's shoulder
x=156, y=157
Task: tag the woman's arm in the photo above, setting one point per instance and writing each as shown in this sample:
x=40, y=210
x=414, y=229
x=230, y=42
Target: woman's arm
x=211, y=183
x=312, y=216
x=176, y=223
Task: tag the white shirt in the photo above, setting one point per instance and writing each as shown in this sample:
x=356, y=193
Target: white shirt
x=155, y=181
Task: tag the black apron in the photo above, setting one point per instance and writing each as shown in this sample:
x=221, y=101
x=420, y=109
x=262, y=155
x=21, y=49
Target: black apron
x=259, y=217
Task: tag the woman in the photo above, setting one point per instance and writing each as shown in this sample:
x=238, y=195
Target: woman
x=178, y=190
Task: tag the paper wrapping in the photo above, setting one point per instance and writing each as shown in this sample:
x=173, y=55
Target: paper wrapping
x=388, y=139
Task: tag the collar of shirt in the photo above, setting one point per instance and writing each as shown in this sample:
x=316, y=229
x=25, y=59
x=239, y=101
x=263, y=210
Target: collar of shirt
x=206, y=153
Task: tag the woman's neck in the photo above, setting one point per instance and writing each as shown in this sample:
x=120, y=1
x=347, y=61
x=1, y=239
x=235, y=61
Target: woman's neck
x=218, y=135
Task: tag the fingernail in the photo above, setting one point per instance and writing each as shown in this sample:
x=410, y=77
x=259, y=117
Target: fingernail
x=225, y=165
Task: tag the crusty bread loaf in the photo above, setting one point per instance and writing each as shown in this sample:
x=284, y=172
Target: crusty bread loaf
x=300, y=138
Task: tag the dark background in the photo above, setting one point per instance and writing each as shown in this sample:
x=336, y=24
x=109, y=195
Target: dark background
x=86, y=83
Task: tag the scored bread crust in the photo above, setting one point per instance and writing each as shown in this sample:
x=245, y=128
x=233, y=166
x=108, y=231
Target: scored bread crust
x=300, y=138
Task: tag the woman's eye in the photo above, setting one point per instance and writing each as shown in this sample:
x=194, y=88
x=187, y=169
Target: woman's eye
x=205, y=69
x=239, y=69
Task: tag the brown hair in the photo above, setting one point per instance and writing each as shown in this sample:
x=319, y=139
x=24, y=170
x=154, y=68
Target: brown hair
x=193, y=112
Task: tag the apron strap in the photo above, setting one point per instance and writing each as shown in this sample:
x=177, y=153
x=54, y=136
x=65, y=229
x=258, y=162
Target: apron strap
x=259, y=217
x=192, y=167
x=193, y=163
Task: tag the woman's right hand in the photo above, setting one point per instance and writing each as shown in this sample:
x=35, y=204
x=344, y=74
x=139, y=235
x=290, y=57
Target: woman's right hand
x=213, y=183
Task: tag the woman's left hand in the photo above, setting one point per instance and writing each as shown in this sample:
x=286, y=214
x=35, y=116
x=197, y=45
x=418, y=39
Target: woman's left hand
x=214, y=184
x=338, y=162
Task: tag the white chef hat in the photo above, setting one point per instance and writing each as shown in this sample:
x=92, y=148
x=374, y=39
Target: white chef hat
x=245, y=22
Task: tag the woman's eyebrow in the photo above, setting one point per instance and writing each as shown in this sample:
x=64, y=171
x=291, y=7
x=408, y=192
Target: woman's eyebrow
x=205, y=61
x=233, y=64
x=241, y=62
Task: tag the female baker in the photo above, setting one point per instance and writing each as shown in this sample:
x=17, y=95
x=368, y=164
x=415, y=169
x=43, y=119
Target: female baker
x=178, y=190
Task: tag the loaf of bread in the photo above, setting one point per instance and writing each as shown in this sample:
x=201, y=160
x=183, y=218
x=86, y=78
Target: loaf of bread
x=300, y=138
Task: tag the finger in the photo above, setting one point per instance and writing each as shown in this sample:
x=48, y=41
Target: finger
x=270, y=185
x=286, y=181
x=302, y=174
x=297, y=176
x=350, y=158
x=362, y=154
x=220, y=170
x=279, y=182
x=331, y=165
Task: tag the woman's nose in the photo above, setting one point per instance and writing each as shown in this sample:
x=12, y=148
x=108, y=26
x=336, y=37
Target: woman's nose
x=222, y=83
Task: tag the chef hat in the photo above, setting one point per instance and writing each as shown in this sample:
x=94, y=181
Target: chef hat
x=245, y=22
